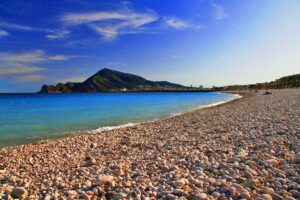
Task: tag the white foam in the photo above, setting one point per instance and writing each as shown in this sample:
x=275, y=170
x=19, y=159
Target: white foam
x=109, y=128
x=175, y=114
x=236, y=96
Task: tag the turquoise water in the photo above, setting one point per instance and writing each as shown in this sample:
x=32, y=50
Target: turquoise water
x=26, y=118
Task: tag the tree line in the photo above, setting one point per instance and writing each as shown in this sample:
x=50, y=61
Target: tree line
x=292, y=81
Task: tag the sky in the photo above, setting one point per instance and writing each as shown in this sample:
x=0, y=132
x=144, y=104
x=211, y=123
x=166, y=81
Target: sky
x=194, y=42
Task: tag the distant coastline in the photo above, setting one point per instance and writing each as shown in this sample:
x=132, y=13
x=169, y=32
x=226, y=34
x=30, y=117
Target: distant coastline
x=111, y=81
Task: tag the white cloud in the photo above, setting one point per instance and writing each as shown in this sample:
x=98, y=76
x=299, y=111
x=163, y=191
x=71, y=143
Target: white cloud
x=23, y=66
x=36, y=56
x=130, y=17
x=81, y=18
x=22, y=27
x=26, y=57
x=125, y=20
x=15, y=26
x=15, y=68
x=58, y=35
x=60, y=57
x=219, y=11
x=107, y=32
x=111, y=24
x=20, y=64
x=3, y=33
x=177, y=23
x=29, y=78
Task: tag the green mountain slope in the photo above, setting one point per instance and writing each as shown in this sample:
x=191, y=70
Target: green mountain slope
x=107, y=80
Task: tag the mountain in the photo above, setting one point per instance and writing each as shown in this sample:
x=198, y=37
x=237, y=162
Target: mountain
x=107, y=80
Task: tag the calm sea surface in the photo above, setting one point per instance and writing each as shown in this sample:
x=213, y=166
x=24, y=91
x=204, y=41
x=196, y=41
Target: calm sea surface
x=27, y=118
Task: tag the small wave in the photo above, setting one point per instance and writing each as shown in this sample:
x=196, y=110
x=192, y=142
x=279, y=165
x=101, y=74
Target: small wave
x=109, y=128
x=236, y=96
x=176, y=114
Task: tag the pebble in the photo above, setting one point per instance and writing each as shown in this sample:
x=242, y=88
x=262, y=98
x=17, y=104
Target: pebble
x=105, y=179
x=201, y=196
x=295, y=193
x=276, y=196
x=72, y=193
x=19, y=192
x=245, y=194
x=265, y=197
x=118, y=196
x=178, y=192
x=179, y=183
x=247, y=149
x=89, y=161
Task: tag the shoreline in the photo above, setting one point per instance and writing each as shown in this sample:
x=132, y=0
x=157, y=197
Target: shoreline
x=130, y=124
x=59, y=136
x=248, y=148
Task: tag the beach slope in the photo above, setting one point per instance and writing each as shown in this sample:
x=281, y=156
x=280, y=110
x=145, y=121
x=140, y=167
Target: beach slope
x=248, y=148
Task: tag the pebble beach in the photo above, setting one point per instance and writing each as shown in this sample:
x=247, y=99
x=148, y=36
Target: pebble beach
x=248, y=148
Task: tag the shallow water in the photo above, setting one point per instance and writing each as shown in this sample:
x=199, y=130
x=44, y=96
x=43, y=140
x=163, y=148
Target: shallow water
x=31, y=117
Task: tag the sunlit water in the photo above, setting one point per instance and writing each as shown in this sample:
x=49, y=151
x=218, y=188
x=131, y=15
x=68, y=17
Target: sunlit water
x=31, y=117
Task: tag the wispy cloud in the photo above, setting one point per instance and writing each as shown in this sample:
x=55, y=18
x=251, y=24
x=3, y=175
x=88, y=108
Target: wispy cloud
x=3, y=33
x=32, y=57
x=29, y=78
x=83, y=18
x=24, y=66
x=107, y=32
x=20, y=72
x=17, y=68
x=58, y=34
x=128, y=17
x=111, y=24
x=219, y=11
x=176, y=23
x=13, y=26
x=35, y=56
x=60, y=57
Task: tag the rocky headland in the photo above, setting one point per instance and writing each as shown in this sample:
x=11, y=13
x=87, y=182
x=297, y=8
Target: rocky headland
x=107, y=80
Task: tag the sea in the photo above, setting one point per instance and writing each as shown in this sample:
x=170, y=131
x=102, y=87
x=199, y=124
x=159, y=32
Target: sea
x=27, y=118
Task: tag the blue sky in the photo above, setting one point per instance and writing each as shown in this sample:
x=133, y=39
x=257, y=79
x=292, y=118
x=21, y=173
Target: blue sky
x=198, y=42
